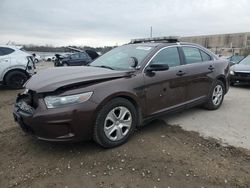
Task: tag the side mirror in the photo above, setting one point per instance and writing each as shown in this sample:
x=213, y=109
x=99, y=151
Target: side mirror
x=133, y=62
x=157, y=67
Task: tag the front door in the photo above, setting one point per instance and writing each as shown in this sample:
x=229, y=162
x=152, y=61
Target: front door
x=165, y=89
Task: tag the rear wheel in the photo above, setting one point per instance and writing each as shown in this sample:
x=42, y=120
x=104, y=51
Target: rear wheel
x=216, y=96
x=115, y=122
x=16, y=79
x=65, y=64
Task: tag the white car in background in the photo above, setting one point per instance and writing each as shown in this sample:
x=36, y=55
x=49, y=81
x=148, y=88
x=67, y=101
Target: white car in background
x=16, y=66
x=50, y=58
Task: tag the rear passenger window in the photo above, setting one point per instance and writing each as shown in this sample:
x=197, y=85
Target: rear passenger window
x=75, y=56
x=192, y=55
x=205, y=56
x=168, y=56
x=83, y=55
x=5, y=51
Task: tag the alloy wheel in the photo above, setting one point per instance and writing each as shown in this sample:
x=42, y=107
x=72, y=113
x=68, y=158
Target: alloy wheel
x=117, y=123
x=217, y=95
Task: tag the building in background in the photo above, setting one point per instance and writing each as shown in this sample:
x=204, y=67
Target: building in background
x=223, y=44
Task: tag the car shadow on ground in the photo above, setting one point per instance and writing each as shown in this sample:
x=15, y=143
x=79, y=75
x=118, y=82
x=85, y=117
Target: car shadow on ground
x=240, y=85
x=154, y=126
x=2, y=87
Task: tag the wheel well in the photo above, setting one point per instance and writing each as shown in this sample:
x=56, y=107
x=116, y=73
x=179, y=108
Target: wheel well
x=137, y=107
x=130, y=99
x=223, y=80
x=20, y=70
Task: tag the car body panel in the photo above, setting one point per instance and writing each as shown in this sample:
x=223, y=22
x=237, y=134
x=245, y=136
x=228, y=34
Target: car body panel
x=51, y=79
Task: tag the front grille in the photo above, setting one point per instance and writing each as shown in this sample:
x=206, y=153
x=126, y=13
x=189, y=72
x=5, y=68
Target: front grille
x=242, y=74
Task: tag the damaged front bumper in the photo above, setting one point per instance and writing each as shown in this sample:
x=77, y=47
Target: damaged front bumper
x=72, y=123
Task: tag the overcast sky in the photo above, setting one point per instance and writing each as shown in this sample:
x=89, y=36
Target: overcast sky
x=111, y=22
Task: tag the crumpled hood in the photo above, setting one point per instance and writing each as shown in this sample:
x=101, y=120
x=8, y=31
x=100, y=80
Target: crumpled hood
x=241, y=68
x=53, y=78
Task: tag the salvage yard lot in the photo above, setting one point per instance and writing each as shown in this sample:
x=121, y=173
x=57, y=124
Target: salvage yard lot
x=161, y=154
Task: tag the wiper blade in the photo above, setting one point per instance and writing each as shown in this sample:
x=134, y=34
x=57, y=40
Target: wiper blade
x=105, y=66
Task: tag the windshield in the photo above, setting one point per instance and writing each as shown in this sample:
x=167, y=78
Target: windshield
x=246, y=61
x=236, y=58
x=118, y=58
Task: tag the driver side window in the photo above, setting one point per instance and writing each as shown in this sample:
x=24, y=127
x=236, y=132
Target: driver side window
x=169, y=56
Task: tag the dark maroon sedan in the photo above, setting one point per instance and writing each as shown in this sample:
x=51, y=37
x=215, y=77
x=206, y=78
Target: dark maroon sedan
x=112, y=96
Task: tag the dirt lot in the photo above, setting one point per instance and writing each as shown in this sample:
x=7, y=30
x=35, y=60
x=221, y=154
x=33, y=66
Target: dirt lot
x=158, y=155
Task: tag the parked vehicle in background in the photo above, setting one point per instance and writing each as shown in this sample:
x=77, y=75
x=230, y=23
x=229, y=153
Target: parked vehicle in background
x=112, y=96
x=240, y=72
x=76, y=59
x=36, y=58
x=50, y=58
x=16, y=66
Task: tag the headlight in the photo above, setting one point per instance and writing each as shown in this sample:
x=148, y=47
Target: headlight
x=55, y=101
x=232, y=72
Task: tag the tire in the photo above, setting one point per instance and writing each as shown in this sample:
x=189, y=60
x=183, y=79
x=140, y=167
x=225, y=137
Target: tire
x=217, y=92
x=15, y=79
x=116, y=133
x=65, y=64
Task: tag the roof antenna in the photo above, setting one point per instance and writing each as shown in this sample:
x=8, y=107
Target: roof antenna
x=151, y=31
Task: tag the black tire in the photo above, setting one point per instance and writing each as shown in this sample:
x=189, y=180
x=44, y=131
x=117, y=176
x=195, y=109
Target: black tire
x=210, y=105
x=15, y=79
x=65, y=64
x=99, y=135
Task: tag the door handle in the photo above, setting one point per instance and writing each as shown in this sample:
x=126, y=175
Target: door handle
x=211, y=68
x=180, y=73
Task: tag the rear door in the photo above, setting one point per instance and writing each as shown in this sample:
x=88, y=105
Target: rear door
x=165, y=89
x=85, y=59
x=200, y=72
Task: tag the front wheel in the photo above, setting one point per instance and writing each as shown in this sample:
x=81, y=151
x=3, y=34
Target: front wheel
x=216, y=96
x=115, y=122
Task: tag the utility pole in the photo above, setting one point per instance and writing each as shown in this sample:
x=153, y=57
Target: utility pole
x=151, y=31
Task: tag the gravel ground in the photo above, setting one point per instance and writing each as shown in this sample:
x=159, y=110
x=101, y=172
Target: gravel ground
x=161, y=154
